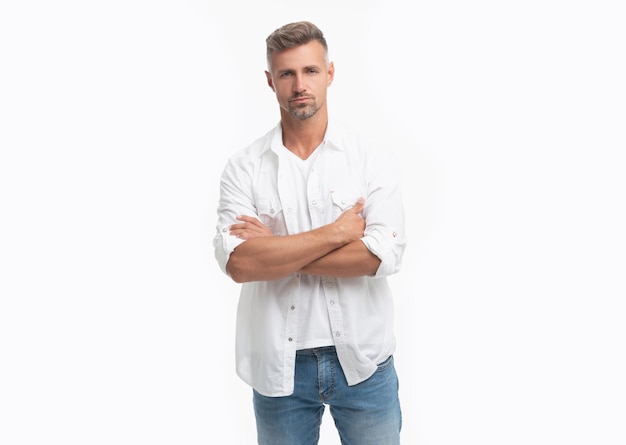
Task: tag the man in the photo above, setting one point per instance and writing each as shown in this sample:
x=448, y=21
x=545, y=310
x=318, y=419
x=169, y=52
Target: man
x=310, y=220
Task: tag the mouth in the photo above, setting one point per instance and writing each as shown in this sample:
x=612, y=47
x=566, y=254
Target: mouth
x=299, y=99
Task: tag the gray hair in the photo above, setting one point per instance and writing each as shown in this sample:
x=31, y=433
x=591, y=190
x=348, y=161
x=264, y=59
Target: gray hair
x=292, y=35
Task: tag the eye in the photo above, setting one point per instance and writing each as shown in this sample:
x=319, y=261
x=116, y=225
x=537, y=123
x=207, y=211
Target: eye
x=285, y=74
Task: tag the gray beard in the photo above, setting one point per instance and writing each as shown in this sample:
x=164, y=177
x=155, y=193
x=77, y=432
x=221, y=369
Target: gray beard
x=305, y=112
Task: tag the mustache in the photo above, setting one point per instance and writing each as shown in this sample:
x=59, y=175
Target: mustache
x=300, y=96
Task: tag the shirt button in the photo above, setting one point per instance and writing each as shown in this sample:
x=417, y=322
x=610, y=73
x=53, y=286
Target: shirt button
x=343, y=201
x=272, y=211
x=332, y=302
x=314, y=202
x=290, y=339
x=225, y=230
x=292, y=307
x=337, y=334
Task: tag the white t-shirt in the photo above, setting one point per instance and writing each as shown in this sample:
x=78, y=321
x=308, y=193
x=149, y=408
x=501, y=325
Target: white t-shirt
x=313, y=323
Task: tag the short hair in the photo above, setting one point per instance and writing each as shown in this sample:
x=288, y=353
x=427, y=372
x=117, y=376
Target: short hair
x=292, y=35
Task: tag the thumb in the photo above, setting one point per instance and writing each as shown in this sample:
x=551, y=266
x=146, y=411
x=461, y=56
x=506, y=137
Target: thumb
x=358, y=206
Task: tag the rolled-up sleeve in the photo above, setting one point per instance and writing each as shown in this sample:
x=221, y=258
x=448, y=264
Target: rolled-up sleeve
x=235, y=199
x=384, y=234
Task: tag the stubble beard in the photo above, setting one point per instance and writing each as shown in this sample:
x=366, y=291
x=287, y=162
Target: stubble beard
x=304, y=111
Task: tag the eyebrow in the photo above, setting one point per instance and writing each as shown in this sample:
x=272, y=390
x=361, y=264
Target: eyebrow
x=305, y=68
x=312, y=67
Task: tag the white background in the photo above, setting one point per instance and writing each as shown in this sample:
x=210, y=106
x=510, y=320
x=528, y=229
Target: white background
x=116, y=118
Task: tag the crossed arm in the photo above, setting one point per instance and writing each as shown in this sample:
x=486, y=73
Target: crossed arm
x=331, y=250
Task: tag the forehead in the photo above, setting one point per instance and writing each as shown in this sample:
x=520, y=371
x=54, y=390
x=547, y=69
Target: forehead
x=309, y=54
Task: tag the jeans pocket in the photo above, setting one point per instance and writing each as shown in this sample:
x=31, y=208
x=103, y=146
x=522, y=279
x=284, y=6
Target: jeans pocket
x=385, y=364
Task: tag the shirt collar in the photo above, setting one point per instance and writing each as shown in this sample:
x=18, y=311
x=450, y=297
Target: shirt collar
x=331, y=138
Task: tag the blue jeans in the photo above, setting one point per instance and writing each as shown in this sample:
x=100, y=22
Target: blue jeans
x=364, y=414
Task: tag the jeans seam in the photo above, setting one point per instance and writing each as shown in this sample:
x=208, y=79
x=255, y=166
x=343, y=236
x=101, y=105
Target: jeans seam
x=319, y=375
x=332, y=376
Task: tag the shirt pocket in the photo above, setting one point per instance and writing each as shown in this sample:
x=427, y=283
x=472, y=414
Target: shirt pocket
x=342, y=200
x=271, y=215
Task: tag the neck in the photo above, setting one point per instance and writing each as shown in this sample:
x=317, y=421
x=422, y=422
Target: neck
x=302, y=137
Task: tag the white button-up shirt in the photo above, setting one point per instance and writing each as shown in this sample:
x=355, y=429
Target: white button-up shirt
x=360, y=309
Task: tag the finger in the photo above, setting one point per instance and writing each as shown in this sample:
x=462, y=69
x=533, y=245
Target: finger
x=250, y=220
x=239, y=227
x=358, y=205
x=246, y=218
x=256, y=223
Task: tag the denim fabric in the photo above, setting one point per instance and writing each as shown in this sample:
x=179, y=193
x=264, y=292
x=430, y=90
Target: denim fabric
x=365, y=414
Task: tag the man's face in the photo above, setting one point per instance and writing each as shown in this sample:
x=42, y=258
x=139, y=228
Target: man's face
x=300, y=79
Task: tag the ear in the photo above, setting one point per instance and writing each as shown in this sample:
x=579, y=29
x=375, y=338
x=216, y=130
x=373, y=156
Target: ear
x=331, y=73
x=269, y=80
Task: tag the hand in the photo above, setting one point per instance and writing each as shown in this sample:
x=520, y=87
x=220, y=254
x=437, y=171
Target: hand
x=351, y=223
x=249, y=228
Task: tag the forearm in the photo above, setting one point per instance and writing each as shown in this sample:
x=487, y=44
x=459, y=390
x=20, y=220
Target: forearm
x=352, y=260
x=274, y=257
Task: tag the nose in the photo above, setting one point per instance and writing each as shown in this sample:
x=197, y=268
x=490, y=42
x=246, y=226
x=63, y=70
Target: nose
x=298, y=84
